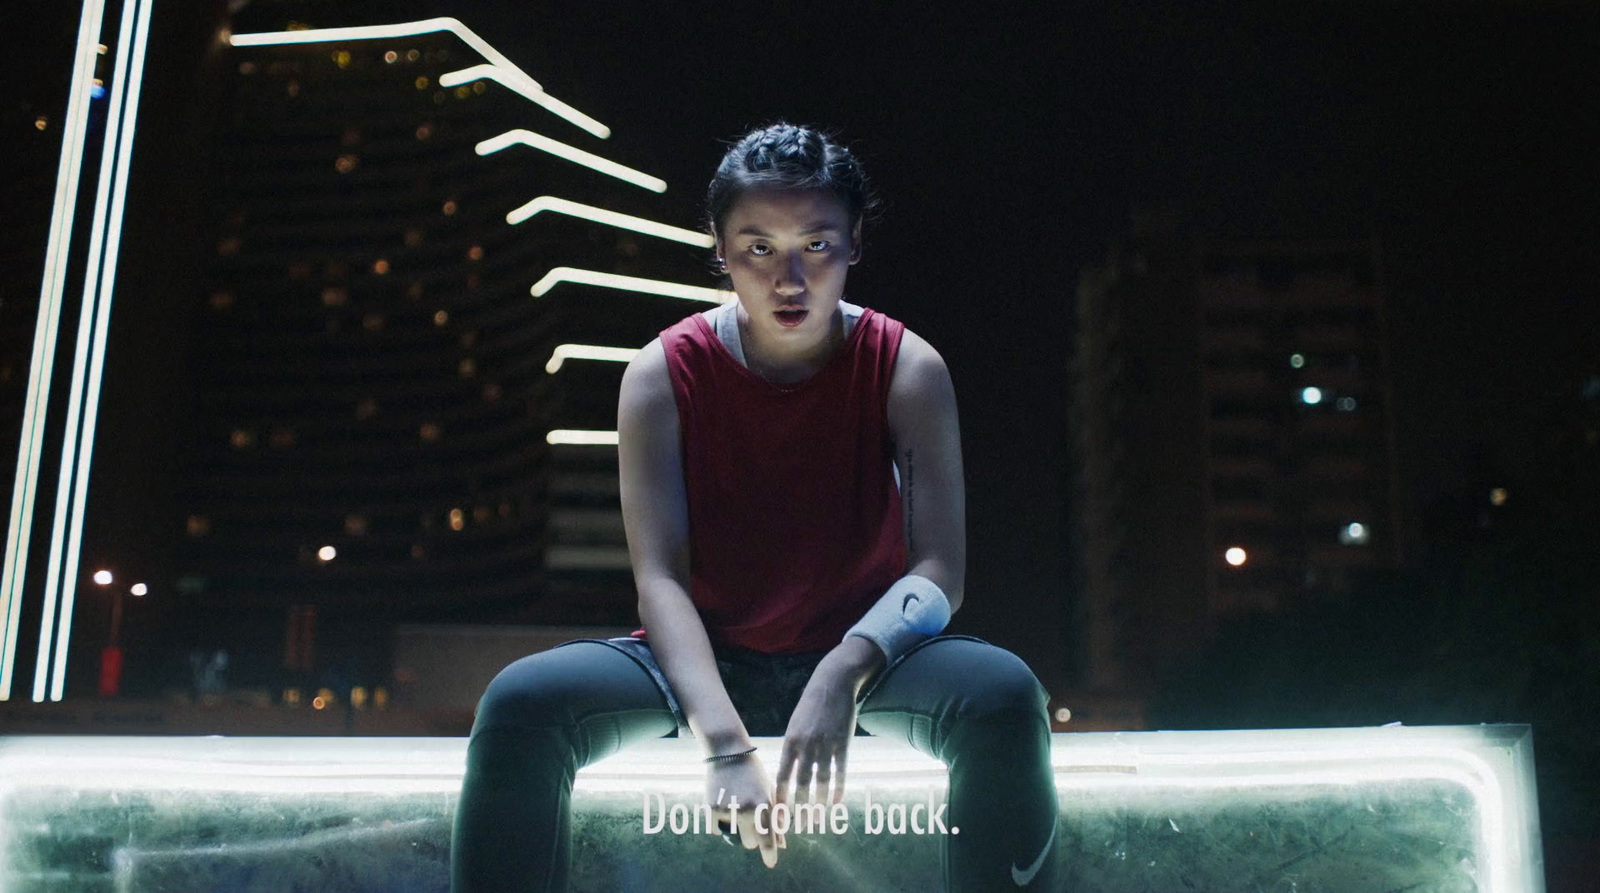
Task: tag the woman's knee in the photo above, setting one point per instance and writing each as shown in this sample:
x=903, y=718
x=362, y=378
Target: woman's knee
x=999, y=682
x=551, y=689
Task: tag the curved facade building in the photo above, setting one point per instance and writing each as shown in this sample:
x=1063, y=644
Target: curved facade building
x=374, y=395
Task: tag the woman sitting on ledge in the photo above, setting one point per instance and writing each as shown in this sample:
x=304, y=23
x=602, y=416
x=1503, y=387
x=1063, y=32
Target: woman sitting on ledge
x=792, y=491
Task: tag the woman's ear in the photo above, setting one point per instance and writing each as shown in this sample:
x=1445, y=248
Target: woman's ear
x=855, y=242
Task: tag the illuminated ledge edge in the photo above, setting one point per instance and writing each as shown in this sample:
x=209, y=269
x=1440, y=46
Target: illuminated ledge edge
x=1137, y=809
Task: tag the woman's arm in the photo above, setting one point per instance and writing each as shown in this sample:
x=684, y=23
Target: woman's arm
x=927, y=437
x=655, y=514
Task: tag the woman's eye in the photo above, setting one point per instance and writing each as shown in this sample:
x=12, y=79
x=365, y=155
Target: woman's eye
x=760, y=249
x=819, y=245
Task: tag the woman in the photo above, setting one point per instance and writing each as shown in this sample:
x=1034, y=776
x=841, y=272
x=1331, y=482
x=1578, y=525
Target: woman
x=791, y=482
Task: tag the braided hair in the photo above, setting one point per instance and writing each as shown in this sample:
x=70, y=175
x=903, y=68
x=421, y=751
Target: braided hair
x=787, y=156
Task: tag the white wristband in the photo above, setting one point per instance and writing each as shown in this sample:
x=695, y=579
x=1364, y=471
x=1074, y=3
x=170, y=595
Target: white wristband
x=913, y=609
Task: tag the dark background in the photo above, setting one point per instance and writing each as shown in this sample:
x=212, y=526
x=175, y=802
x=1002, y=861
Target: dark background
x=1010, y=145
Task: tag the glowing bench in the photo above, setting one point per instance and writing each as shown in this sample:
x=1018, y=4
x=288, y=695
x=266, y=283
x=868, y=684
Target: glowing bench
x=1440, y=808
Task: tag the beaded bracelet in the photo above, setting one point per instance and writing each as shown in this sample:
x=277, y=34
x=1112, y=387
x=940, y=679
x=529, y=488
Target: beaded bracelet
x=730, y=756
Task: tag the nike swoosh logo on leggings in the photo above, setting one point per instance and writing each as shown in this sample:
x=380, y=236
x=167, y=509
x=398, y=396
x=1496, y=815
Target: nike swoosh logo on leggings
x=1024, y=876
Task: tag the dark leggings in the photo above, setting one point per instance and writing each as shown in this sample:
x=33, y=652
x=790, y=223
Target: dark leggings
x=973, y=706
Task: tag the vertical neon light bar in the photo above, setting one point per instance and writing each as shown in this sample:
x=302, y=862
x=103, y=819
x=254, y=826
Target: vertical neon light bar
x=19, y=533
x=133, y=76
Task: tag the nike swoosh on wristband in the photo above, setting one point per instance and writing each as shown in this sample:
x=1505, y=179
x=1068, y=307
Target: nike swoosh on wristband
x=909, y=599
x=1024, y=876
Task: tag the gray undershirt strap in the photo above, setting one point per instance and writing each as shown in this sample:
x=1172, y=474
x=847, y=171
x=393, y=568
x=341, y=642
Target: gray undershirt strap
x=724, y=321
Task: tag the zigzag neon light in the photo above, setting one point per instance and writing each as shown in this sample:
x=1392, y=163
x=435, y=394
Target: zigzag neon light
x=627, y=283
x=564, y=352
x=573, y=154
x=609, y=218
x=500, y=68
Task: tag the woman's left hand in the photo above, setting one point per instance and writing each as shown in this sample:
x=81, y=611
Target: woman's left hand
x=817, y=741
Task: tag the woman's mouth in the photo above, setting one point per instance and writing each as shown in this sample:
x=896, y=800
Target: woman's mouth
x=791, y=316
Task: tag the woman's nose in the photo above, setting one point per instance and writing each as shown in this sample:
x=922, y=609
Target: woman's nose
x=791, y=275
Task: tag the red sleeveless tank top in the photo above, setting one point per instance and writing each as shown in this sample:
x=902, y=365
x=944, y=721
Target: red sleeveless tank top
x=795, y=524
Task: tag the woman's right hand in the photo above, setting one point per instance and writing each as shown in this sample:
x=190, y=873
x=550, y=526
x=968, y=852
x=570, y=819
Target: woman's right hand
x=744, y=781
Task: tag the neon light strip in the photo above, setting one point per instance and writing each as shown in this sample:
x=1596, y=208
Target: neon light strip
x=506, y=71
x=128, y=105
x=19, y=534
x=573, y=154
x=609, y=218
x=516, y=81
x=627, y=283
x=569, y=437
x=71, y=443
x=564, y=352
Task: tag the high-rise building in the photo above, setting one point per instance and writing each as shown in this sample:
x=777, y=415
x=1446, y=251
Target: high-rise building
x=401, y=411
x=1235, y=436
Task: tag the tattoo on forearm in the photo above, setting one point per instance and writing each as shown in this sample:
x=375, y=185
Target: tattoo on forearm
x=911, y=499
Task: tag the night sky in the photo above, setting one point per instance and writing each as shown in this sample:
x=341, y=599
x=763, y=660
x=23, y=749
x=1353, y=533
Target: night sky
x=1010, y=145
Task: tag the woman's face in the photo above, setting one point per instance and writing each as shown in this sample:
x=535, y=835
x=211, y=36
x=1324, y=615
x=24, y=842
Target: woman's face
x=788, y=252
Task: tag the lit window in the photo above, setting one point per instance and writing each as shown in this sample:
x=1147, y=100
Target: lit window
x=372, y=322
x=449, y=208
x=341, y=58
x=412, y=55
x=458, y=519
x=1354, y=534
x=481, y=514
x=327, y=553
x=440, y=317
x=391, y=56
x=198, y=525
x=1297, y=360
x=41, y=122
x=332, y=296
x=467, y=368
x=1063, y=714
x=1311, y=396
x=221, y=300
x=1498, y=496
x=242, y=438
x=413, y=238
x=475, y=252
x=281, y=438
x=422, y=83
x=429, y=432
x=139, y=590
x=380, y=266
x=1235, y=556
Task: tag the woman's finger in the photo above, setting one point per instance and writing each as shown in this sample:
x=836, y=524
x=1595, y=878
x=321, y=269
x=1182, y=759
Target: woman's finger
x=824, y=776
x=838, y=775
x=786, y=767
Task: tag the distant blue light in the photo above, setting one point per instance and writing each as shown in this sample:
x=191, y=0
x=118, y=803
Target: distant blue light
x=98, y=91
x=1311, y=395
